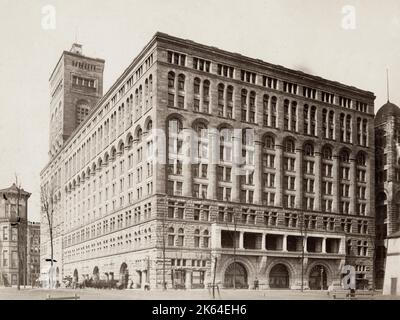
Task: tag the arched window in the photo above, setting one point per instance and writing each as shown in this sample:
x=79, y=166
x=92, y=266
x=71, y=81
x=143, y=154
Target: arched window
x=325, y=123
x=196, y=86
x=175, y=144
x=361, y=159
x=309, y=150
x=225, y=146
x=229, y=98
x=197, y=238
x=345, y=156
x=202, y=139
x=273, y=111
x=206, y=89
x=146, y=87
x=266, y=110
x=221, y=89
x=181, y=238
x=293, y=115
x=139, y=135
x=171, y=237
x=269, y=142
x=221, y=100
x=348, y=129
x=230, y=94
x=365, y=132
x=244, y=105
x=289, y=145
x=149, y=126
x=327, y=153
x=306, y=119
x=181, y=82
x=151, y=83
x=313, y=126
x=206, y=96
x=205, y=239
x=252, y=110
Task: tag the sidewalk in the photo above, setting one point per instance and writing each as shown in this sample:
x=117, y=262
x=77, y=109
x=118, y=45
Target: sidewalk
x=170, y=294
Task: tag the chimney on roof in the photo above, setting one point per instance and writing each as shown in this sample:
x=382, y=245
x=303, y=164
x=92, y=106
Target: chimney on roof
x=76, y=48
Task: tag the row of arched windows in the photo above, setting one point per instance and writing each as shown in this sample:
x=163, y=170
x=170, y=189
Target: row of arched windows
x=225, y=108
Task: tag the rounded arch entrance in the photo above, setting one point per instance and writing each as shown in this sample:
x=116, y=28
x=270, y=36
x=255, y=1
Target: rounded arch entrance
x=236, y=276
x=279, y=277
x=124, y=275
x=318, y=278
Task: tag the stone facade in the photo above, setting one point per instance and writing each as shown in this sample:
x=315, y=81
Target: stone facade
x=279, y=187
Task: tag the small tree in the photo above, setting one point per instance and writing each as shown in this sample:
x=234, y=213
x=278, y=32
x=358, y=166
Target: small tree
x=47, y=203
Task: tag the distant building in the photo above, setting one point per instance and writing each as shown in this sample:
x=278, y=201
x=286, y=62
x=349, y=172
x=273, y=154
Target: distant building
x=33, y=259
x=387, y=183
x=14, y=203
x=301, y=179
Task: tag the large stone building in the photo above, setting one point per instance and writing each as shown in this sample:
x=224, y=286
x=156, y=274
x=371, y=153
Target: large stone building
x=279, y=186
x=387, y=137
x=13, y=238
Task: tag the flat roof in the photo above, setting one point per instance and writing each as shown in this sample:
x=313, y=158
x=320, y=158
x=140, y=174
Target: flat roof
x=262, y=63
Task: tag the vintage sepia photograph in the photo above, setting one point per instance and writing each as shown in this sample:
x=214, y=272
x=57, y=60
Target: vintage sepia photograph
x=215, y=150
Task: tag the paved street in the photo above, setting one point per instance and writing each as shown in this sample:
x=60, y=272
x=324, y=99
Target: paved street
x=94, y=294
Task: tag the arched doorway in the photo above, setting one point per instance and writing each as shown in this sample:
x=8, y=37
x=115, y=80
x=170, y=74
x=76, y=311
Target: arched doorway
x=124, y=275
x=318, y=278
x=236, y=276
x=279, y=277
x=96, y=274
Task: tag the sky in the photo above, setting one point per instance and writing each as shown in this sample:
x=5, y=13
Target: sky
x=352, y=42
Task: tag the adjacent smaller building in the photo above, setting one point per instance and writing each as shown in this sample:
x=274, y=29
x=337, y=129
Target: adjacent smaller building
x=14, y=232
x=33, y=259
x=392, y=275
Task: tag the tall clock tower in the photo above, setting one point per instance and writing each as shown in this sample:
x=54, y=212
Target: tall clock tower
x=76, y=85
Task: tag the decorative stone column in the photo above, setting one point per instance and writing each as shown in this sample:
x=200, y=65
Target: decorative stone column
x=213, y=156
x=299, y=179
x=279, y=175
x=318, y=182
x=284, y=243
x=241, y=237
x=187, y=163
x=263, y=241
x=236, y=170
x=258, y=174
x=335, y=186
x=353, y=186
x=324, y=245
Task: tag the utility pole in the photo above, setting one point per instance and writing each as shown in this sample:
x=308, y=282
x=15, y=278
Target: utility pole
x=215, y=271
